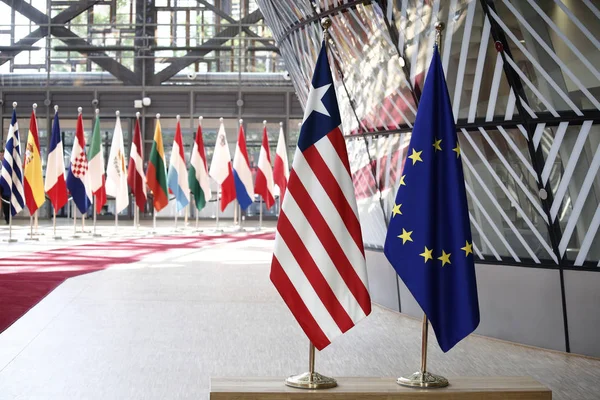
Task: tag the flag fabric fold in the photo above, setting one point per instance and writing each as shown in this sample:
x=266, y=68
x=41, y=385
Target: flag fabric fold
x=177, y=177
x=429, y=235
x=11, y=178
x=220, y=168
x=318, y=265
x=281, y=172
x=264, y=175
x=78, y=178
x=242, y=175
x=198, y=176
x=156, y=173
x=96, y=167
x=116, y=173
x=33, y=176
x=135, y=170
x=55, y=184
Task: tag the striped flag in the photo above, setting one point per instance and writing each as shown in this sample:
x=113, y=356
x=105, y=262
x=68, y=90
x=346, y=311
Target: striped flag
x=242, y=175
x=116, y=175
x=11, y=179
x=55, y=185
x=135, y=170
x=177, y=178
x=34, y=179
x=96, y=167
x=198, y=177
x=281, y=172
x=220, y=168
x=264, y=175
x=156, y=174
x=78, y=178
x=318, y=262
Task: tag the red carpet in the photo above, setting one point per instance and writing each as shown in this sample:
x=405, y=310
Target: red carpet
x=27, y=279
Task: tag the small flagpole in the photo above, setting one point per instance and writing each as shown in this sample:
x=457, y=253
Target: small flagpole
x=424, y=379
x=260, y=215
x=10, y=239
x=74, y=219
x=197, y=211
x=185, y=221
x=218, y=208
x=154, y=221
x=94, y=205
x=35, y=218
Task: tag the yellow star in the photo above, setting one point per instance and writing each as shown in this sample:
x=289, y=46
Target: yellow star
x=402, y=181
x=468, y=248
x=415, y=156
x=436, y=145
x=405, y=236
x=457, y=150
x=445, y=258
x=427, y=254
x=396, y=210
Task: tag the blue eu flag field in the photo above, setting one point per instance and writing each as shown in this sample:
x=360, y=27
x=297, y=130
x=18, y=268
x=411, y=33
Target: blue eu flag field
x=429, y=236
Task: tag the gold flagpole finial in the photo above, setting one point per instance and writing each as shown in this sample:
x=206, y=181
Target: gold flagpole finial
x=439, y=27
x=326, y=24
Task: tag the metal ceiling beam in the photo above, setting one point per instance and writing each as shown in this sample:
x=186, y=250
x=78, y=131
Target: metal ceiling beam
x=62, y=18
x=72, y=39
x=226, y=16
x=177, y=64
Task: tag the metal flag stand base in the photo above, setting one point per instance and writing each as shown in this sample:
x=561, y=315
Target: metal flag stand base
x=423, y=379
x=311, y=379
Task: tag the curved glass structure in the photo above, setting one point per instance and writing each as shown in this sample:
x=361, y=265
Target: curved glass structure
x=524, y=81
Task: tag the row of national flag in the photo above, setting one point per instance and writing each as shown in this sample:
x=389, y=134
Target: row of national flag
x=88, y=181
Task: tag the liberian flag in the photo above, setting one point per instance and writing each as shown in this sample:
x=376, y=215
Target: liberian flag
x=198, y=177
x=156, y=174
x=96, y=167
x=281, y=171
x=135, y=169
x=220, y=168
x=177, y=178
x=55, y=185
x=264, y=175
x=318, y=262
x=241, y=172
x=11, y=179
x=78, y=179
x=116, y=174
x=34, y=179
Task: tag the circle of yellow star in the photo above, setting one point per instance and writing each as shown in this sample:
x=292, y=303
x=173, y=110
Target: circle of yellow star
x=402, y=181
x=445, y=258
x=415, y=156
x=457, y=150
x=468, y=248
x=427, y=254
x=436, y=145
x=396, y=210
x=405, y=236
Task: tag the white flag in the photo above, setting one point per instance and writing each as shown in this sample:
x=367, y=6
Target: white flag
x=116, y=173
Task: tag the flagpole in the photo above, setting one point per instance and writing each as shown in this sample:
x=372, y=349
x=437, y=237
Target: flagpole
x=35, y=218
x=218, y=208
x=10, y=239
x=260, y=215
x=94, y=205
x=424, y=379
x=197, y=212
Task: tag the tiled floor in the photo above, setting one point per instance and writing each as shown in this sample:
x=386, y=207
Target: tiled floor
x=159, y=328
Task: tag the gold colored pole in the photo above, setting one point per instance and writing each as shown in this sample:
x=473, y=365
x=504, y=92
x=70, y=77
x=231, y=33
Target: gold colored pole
x=311, y=360
x=424, y=334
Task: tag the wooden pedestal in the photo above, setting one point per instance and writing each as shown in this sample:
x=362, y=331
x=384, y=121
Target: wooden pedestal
x=472, y=388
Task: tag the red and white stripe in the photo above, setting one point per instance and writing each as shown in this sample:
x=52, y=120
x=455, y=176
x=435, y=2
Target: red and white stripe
x=281, y=171
x=319, y=264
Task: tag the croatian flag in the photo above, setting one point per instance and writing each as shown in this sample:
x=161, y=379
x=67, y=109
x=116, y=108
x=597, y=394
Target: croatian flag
x=264, y=175
x=78, y=177
x=11, y=179
x=241, y=172
x=177, y=178
x=55, y=185
x=318, y=262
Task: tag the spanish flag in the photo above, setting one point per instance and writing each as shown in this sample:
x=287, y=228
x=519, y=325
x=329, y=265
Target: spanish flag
x=34, y=181
x=156, y=175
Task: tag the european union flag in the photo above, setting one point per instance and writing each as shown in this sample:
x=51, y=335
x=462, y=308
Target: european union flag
x=429, y=236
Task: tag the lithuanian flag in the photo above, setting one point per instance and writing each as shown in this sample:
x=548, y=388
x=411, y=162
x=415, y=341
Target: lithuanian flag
x=156, y=175
x=34, y=181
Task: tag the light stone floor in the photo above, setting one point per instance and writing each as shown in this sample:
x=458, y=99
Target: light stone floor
x=159, y=328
